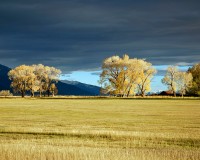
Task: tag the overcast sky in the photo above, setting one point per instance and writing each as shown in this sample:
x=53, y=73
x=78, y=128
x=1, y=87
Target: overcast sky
x=76, y=35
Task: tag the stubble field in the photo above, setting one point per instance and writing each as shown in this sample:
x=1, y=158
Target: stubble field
x=88, y=129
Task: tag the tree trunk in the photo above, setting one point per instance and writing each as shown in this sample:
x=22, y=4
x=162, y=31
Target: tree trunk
x=31, y=91
x=23, y=94
x=129, y=91
x=143, y=94
x=173, y=89
x=48, y=92
x=174, y=93
x=40, y=93
x=23, y=90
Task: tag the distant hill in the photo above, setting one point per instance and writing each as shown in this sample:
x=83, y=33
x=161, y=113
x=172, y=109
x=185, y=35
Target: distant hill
x=64, y=87
x=70, y=89
x=4, y=80
x=86, y=87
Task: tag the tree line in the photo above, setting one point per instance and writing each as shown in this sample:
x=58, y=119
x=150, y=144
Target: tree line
x=35, y=78
x=120, y=76
x=123, y=76
x=183, y=82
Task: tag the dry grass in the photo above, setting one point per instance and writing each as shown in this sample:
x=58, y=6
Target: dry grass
x=99, y=129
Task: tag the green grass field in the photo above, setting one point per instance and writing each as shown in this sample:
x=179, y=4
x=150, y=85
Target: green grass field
x=95, y=129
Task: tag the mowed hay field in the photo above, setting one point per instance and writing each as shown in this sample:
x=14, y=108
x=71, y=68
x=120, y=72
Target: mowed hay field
x=94, y=129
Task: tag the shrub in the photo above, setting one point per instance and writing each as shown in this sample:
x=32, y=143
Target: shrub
x=5, y=93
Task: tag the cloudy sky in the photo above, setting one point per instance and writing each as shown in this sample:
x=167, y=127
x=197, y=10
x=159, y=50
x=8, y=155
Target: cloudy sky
x=77, y=35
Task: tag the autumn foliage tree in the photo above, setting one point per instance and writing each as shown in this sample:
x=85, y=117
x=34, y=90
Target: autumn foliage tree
x=125, y=76
x=21, y=76
x=177, y=81
x=35, y=78
x=195, y=71
x=145, y=76
x=51, y=77
x=184, y=82
x=40, y=74
x=111, y=76
x=170, y=79
x=53, y=89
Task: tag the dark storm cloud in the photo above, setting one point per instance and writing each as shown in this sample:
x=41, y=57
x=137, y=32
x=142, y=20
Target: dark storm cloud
x=78, y=35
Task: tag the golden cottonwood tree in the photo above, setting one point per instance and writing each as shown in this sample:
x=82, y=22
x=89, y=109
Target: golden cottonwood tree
x=21, y=77
x=33, y=78
x=184, y=82
x=121, y=76
x=33, y=84
x=46, y=76
x=113, y=75
x=195, y=71
x=146, y=73
x=134, y=71
x=53, y=89
x=170, y=79
x=39, y=71
x=51, y=76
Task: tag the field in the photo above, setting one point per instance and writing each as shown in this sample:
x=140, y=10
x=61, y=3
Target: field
x=94, y=129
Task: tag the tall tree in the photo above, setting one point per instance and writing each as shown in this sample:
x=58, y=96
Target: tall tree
x=146, y=73
x=53, y=89
x=184, y=82
x=39, y=71
x=133, y=73
x=33, y=84
x=21, y=76
x=45, y=77
x=114, y=74
x=120, y=76
x=51, y=76
x=170, y=78
x=195, y=71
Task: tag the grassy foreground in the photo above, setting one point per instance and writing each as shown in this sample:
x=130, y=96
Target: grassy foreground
x=99, y=129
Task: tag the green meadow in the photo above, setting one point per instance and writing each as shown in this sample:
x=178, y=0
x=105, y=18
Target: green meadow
x=98, y=129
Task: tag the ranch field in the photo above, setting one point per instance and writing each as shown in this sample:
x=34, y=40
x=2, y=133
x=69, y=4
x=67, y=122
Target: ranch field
x=98, y=129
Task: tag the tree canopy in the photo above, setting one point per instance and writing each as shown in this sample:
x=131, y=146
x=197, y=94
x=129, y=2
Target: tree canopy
x=120, y=76
x=195, y=71
x=35, y=78
x=125, y=76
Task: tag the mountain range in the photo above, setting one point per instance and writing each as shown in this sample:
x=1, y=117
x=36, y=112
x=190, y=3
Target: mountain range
x=65, y=87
